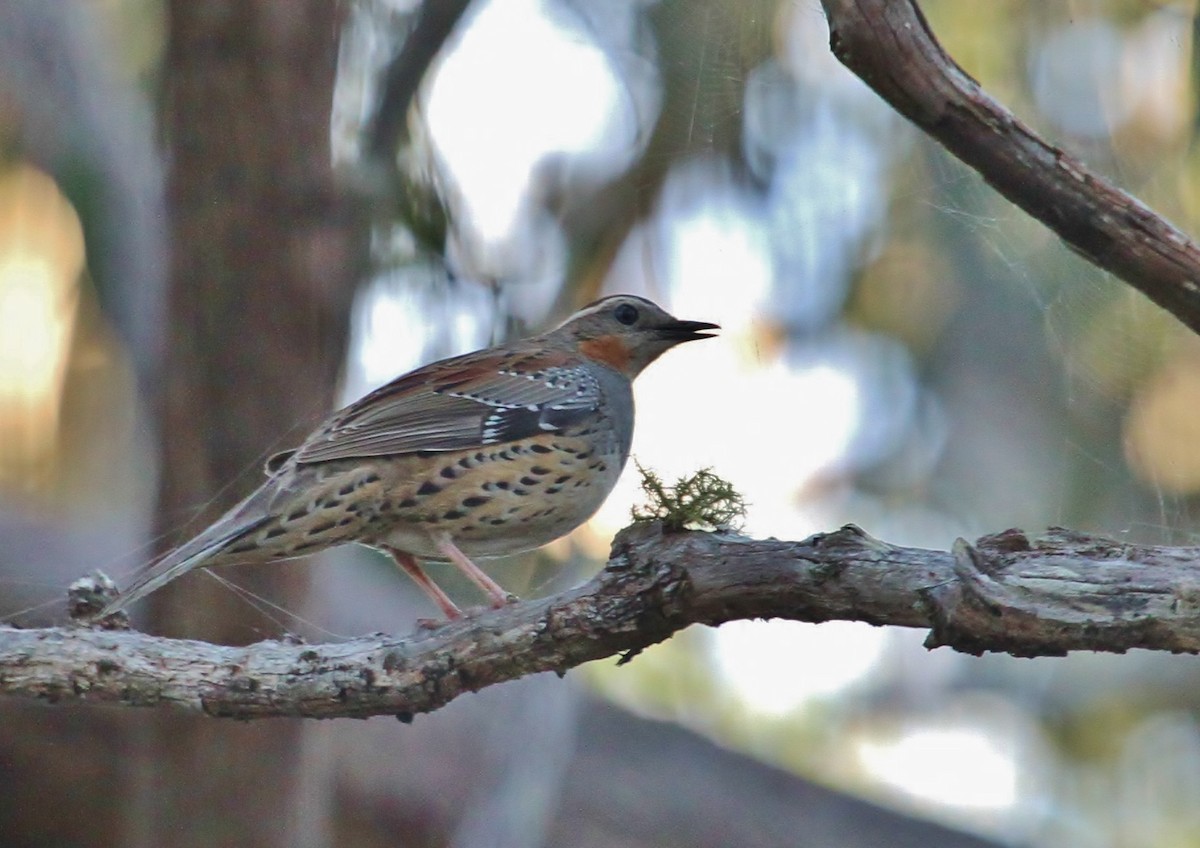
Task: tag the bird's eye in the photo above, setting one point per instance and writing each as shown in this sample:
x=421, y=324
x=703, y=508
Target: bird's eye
x=626, y=314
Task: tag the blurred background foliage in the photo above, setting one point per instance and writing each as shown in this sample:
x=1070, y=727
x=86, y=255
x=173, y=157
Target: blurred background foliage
x=902, y=349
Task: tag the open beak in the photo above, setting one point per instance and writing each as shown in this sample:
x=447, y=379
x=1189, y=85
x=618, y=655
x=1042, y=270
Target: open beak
x=686, y=331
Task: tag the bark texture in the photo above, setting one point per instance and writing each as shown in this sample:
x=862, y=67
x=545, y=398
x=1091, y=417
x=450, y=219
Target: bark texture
x=1041, y=596
x=889, y=45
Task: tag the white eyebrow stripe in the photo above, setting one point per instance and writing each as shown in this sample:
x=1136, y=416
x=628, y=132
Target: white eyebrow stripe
x=603, y=305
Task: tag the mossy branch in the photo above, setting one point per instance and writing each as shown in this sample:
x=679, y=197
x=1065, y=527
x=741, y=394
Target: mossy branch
x=1029, y=596
x=700, y=501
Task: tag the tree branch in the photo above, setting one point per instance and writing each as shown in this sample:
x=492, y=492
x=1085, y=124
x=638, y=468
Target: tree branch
x=889, y=45
x=1061, y=592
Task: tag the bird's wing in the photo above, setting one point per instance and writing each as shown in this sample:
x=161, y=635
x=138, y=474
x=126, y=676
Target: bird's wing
x=469, y=401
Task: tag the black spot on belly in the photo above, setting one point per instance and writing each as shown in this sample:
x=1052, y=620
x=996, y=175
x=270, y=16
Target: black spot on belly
x=323, y=527
x=496, y=522
x=562, y=479
x=538, y=470
x=429, y=488
x=528, y=481
x=370, y=478
x=453, y=514
x=449, y=472
x=295, y=514
x=346, y=522
x=408, y=503
x=277, y=531
x=553, y=490
x=304, y=546
x=475, y=500
x=521, y=492
x=347, y=489
x=540, y=449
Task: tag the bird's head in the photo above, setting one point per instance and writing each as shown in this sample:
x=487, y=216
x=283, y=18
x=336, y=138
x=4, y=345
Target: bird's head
x=627, y=333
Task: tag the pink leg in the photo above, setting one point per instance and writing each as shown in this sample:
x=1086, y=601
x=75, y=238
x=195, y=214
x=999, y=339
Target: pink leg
x=494, y=590
x=407, y=563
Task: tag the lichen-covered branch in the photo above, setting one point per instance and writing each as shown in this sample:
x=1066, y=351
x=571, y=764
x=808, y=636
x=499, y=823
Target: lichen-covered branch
x=889, y=45
x=1059, y=592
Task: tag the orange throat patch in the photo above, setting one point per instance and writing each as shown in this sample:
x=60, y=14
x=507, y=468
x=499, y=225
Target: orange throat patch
x=609, y=350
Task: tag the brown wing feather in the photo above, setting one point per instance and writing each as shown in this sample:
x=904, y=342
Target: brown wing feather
x=456, y=404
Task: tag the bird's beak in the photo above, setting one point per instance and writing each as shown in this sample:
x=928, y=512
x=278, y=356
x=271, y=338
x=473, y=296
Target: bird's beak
x=686, y=331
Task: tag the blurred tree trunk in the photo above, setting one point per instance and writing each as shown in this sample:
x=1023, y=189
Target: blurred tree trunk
x=263, y=268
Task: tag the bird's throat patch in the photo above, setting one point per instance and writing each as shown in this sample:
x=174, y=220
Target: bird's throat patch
x=610, y=350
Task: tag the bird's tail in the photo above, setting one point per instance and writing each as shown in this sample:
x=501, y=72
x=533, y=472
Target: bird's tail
x=246, y=517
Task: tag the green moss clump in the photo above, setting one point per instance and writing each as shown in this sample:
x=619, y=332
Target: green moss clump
x=700, y=501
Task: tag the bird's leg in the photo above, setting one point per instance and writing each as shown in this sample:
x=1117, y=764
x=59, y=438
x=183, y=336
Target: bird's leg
x=494, y=590
x=407, y=563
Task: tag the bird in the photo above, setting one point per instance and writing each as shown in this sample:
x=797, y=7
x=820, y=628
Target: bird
x=485, y=454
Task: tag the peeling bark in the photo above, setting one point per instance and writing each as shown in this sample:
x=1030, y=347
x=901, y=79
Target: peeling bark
x=1044, y=596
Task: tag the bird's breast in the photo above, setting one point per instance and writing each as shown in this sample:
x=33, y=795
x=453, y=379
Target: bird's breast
x=506, y=498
